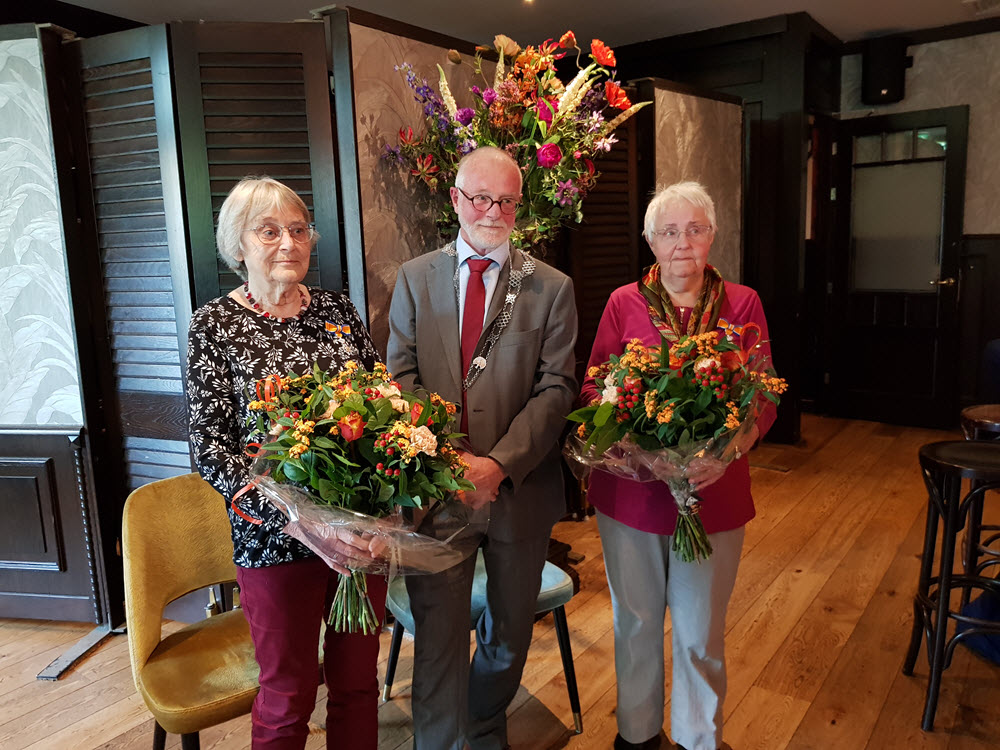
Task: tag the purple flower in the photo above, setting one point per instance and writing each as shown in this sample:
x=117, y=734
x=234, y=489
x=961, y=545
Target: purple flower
x=465, y=115
x=549, y=155
x=566, y=191
x=605, y=144
x=489, y=96
x=475, y=90
x=392, y=154
x=467, y=146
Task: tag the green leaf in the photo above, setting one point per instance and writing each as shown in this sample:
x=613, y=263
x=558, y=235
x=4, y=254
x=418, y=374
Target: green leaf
x=294, y=471
x=603, y=413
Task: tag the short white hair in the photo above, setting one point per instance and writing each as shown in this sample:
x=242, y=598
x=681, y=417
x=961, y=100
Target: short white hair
x=680, y=192
x=486, y=152
x=251, y=197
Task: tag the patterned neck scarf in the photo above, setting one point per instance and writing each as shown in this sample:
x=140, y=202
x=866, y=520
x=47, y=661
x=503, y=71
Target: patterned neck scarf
x=705, y=315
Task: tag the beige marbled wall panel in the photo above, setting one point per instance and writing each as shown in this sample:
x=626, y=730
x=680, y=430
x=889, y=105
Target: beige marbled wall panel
x=945, y=74
x=398, y=215
x=702, y=139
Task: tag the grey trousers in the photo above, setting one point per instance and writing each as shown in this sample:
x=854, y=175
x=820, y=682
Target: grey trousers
x=645, y=578
x=455, y=703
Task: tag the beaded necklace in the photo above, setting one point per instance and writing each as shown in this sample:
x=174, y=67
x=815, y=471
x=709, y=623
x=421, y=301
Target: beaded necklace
x=256, y=305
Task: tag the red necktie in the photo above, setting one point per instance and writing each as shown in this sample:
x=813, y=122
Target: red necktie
x=472, y=321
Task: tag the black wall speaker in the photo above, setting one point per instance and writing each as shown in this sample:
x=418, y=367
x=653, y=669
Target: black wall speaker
x=883, y=70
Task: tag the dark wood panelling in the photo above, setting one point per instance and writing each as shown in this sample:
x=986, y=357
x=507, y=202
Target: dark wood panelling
x=31, y=507
x=979, y=313
x=47, y=564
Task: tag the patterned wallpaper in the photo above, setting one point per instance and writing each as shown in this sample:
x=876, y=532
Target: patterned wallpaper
x=37, y=346
x=702, y=139
x=945, y=74
x=398, y=217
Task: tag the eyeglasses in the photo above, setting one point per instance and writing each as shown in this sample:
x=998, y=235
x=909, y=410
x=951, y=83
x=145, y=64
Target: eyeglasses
x=270, y=234
x=484, y=203
x=696, y=233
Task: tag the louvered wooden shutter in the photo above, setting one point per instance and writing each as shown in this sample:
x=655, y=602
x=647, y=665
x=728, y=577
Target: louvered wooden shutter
x=128, y=108
x=254, y=99
x=605, y=248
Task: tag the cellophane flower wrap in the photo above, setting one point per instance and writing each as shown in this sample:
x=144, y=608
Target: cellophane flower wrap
x=350, y=453
x=554, y=130
x=662, y=407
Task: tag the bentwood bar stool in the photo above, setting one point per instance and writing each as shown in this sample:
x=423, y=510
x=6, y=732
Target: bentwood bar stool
x=944, y=466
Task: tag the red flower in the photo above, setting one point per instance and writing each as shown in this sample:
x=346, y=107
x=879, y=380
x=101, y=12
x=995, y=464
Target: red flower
x=416, y=411
x=351, y=426
x=406, y=136
x=616, y=96
x=603, y=53
x=426, y=169
x=567, y=40
x=549, y=155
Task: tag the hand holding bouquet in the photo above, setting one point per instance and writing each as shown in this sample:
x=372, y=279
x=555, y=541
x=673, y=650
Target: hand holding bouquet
x=663, y=408
x=348, y=450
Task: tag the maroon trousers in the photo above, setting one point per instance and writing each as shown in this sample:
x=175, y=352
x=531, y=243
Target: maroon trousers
x=284, y=605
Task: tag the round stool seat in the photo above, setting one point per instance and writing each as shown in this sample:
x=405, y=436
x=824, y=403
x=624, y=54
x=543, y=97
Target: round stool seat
x=556, y=590
x=981, y=421
x=969, y=459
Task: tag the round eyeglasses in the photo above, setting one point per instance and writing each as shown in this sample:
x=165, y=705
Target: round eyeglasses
x=696, y=233
x=270, y=234
x=484, y=203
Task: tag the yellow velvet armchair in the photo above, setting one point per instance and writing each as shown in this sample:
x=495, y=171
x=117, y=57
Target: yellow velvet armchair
x=176, y=539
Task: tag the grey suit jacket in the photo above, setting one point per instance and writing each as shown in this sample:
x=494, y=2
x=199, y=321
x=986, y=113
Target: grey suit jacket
x=517, y=407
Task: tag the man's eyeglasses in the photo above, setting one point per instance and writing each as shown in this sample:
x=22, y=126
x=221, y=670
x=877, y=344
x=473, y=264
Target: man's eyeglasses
x=484, y=203
x=696, y=233
x=270, y=234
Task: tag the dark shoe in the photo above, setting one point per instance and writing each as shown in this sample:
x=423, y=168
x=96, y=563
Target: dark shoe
x=651, y=744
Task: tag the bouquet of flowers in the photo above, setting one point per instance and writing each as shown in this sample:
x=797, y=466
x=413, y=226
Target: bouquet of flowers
x=553, y=130
x=347, y=451
x=664, y=406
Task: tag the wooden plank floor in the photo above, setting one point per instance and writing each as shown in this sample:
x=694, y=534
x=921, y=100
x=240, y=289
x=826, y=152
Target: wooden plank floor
x=817, y=630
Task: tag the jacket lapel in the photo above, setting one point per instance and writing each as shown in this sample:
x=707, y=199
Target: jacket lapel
x=441, y=292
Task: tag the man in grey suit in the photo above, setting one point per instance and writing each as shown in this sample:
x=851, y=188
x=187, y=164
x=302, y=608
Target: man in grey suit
x=482, y=323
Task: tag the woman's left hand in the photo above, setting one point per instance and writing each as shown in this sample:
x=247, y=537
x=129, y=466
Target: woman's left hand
x=702, y=472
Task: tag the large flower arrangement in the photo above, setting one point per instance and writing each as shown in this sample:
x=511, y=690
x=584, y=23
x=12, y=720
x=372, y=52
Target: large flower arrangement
x=553, y=130
x=355, y=442
x=662, y=407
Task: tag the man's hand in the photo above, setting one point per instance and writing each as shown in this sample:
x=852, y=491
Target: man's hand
x=487, y=475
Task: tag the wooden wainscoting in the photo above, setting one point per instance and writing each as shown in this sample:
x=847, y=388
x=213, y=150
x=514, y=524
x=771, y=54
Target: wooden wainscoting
x=817, y=630
x=47, y=564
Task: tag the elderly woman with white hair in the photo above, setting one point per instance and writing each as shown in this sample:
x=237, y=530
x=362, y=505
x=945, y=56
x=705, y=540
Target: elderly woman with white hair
x=274, y=324
x=680, y=294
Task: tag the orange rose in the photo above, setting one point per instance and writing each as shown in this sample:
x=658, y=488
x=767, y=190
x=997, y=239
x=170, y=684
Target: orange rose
x=416, y=411
x=351, y=427
x=603, y=53
x=616, y=96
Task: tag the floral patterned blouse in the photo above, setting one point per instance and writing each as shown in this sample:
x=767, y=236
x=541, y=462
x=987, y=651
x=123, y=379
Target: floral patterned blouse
x=231, y=347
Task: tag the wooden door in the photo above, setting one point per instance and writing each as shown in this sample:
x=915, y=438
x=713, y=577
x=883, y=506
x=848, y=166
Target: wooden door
x=900, y=197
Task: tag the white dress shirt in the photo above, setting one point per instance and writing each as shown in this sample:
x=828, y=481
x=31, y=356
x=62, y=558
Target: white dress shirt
x=491, y=276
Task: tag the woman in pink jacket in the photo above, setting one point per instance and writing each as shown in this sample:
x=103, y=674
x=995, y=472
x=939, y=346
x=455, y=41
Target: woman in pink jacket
x=681, y=294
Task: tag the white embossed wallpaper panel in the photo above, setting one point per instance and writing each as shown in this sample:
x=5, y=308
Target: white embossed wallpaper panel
x=37, y=346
